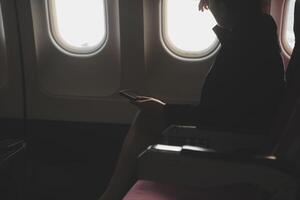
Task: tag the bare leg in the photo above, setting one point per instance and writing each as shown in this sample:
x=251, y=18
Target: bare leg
x=145, y=130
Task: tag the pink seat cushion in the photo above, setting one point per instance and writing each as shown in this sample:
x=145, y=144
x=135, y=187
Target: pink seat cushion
x=147, y=190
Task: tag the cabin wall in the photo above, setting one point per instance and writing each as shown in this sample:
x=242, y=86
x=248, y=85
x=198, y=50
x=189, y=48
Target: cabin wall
x=63, y=87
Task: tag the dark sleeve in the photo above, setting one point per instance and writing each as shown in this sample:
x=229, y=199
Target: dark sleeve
x=268, y=34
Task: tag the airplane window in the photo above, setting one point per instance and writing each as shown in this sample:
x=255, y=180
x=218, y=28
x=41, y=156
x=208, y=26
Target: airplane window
x=78, y=26
x=288, y=32
x=186, y=31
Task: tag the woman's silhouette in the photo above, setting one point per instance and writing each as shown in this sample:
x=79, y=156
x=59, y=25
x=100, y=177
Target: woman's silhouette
x=241, y=91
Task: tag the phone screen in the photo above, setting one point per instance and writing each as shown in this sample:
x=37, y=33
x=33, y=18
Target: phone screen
x=128, y=94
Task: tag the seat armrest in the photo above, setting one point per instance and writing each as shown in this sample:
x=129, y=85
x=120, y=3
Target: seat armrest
x=201, y=152
x=239, y=140
x=206, y=168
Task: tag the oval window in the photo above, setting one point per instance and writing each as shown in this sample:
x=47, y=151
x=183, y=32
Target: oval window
x=186, y=31
x=78, y=26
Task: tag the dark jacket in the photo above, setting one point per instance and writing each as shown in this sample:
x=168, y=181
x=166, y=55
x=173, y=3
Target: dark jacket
x=245, y=84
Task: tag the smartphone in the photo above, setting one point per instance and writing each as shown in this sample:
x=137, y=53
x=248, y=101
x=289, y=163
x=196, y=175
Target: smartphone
x=128, y=94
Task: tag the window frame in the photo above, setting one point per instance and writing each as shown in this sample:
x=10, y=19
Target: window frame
x=58, y=41
x=177, y=52
x=284, y=24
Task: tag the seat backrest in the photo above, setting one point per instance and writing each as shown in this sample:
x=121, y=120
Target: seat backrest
x=287, y=127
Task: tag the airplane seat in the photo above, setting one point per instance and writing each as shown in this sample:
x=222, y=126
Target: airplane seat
x=210, y=175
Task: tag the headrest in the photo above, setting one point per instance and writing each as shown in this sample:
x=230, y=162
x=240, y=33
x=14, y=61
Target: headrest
x=297, y=20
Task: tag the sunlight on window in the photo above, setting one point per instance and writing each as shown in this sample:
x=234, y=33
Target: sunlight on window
x=289, y=35
x=186, y=30
x=79, y=26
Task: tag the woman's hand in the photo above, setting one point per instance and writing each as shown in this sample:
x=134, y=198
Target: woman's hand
x=203, y=5
x=149, y=104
